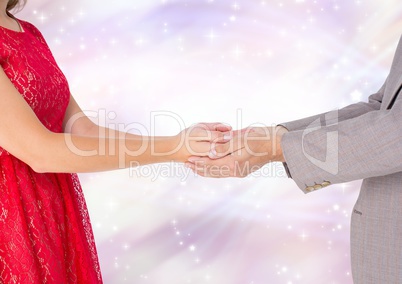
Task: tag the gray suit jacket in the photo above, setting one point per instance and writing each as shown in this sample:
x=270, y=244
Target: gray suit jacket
x=360, y=141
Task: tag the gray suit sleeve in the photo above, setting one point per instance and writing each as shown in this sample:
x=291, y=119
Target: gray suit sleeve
x=351, y=111
x=358, y=141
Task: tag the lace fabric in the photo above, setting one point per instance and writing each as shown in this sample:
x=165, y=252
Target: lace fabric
x=45, y=230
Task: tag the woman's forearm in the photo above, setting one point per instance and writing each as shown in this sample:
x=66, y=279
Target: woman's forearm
x=65, y=152
x=72, y=153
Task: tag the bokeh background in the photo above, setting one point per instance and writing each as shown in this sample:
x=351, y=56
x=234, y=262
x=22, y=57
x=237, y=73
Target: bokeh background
x=156, y=65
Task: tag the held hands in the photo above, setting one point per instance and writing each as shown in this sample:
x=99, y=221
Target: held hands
x=197, y=140
x=248, y=150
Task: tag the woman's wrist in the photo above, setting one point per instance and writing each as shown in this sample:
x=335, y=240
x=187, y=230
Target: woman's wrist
x=175, y=146
x=167, y=149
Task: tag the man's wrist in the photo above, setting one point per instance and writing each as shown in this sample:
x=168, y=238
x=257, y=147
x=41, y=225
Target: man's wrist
x=278, y=152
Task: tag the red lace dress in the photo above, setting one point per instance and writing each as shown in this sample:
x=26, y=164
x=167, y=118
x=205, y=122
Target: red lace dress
x=45, y=231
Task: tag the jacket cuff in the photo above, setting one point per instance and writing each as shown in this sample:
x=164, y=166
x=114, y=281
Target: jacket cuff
x=306, y=173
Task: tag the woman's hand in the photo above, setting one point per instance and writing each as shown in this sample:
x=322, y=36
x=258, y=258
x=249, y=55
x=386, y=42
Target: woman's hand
x=198, y=140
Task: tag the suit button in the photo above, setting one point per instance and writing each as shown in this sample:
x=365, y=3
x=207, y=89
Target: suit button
x=317, y=186
x=309, y=188
x=325, y=183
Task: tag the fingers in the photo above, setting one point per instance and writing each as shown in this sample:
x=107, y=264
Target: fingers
x=197, y=141
x=215, y=126
x=201, y=172
x=211, y=168
x=201, y=134
x=223, y=127
x=221, y=143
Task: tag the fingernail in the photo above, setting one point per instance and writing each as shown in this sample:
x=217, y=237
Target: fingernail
x=212, y=154
x=227, y=137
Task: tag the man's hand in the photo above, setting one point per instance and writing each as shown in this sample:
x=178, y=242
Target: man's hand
x=249, y=150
